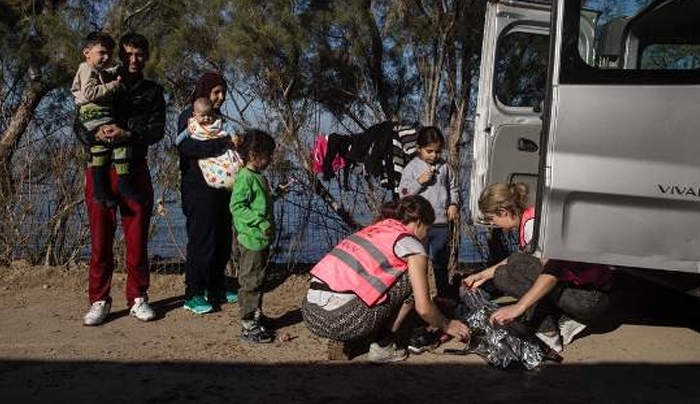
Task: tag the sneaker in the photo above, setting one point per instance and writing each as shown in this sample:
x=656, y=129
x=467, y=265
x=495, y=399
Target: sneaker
x=198, y=305
x=422, y=340
x=552, y=339
x=262, y=319
x=98, y=313
x=388, y=354
x=254, y=331
x=142, y=310
x=551, y=355
x=230, y=297
x=569, y=328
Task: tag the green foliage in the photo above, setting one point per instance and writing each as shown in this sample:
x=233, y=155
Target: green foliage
x=353, y=57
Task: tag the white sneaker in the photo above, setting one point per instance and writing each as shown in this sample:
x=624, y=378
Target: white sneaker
x=552, y=339
x=387, y=354
x=98, y=313
x=569, y=328
x=142, y=310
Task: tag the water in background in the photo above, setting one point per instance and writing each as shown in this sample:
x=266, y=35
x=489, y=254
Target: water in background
x=307, y=229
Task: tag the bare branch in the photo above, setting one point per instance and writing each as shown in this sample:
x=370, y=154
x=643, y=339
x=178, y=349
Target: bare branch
x=129, y=15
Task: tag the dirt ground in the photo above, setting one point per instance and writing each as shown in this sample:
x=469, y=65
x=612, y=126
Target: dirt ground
x=645, y=350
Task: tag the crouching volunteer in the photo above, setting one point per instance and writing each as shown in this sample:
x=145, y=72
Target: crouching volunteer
x=364, y=285
x=556, y=298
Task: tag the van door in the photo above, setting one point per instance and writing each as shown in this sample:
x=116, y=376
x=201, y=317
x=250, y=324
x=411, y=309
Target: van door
x=621, y=167
x=512, y=82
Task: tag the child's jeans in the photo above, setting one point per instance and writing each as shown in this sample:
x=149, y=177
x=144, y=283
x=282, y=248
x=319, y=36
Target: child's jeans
x=251, y=277
x=437, y=244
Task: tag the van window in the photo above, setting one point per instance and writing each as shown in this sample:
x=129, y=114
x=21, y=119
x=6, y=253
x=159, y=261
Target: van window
x=521, y=69
x=641, y=34
x=671, y=56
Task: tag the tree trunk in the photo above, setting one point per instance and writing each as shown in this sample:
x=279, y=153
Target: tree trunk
x=50, y=256
x=12, y=136
x=375, y=60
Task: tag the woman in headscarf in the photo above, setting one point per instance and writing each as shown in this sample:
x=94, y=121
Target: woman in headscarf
x=208, y=219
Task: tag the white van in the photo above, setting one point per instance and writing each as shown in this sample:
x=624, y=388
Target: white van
x=596, y=104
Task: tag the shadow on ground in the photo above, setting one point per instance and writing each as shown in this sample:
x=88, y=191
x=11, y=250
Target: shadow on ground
x=637, y=301
x=89, y=382
x=634, y=301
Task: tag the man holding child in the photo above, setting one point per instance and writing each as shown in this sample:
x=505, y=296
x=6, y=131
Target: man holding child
x=139, y=121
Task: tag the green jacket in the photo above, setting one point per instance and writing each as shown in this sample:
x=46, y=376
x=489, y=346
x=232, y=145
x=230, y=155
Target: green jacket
x=251, y=207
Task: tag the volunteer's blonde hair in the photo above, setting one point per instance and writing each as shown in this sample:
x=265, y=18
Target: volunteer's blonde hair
x=511, y=197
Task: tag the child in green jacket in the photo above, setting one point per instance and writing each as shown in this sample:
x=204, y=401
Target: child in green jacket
x=253, y=219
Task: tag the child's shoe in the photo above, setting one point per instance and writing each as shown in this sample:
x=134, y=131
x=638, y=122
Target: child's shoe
x=423, y=340
x=254, y=331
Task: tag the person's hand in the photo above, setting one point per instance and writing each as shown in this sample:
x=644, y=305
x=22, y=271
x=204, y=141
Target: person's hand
x=506, y=315
x=104, y=134
x=283, y=187
x=427, y=175
x=473, y=281
x=111, y=133
x=267, y=233
x=458, y=330
x=453, y=213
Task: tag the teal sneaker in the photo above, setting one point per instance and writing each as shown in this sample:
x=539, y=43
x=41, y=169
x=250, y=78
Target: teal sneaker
x=231, y=297
x=198, y=305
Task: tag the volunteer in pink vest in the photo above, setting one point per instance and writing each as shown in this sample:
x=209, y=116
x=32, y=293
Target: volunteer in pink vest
x=371, y=280
x=557, y=298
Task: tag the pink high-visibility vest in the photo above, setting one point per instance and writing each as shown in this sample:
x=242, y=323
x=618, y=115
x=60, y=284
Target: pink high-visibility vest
x=365, y=262
x=528, y=214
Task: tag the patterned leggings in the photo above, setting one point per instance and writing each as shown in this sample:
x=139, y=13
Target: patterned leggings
x=355, y=319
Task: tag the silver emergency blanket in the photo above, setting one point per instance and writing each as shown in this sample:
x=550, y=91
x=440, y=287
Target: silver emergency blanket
x=500, y=346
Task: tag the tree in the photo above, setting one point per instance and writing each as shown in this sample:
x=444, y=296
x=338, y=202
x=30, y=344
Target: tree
x=444, y=38
x=362, y=61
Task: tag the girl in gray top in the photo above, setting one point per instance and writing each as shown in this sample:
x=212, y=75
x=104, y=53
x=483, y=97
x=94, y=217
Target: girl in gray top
x=429, y=176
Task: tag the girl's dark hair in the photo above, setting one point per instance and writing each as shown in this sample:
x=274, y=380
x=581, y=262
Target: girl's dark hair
x=256, y=143
x=409, y=209
x=99, y=38
x=428, y=135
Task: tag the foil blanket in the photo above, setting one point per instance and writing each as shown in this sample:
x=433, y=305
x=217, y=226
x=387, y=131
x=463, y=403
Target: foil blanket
x=501, y=347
